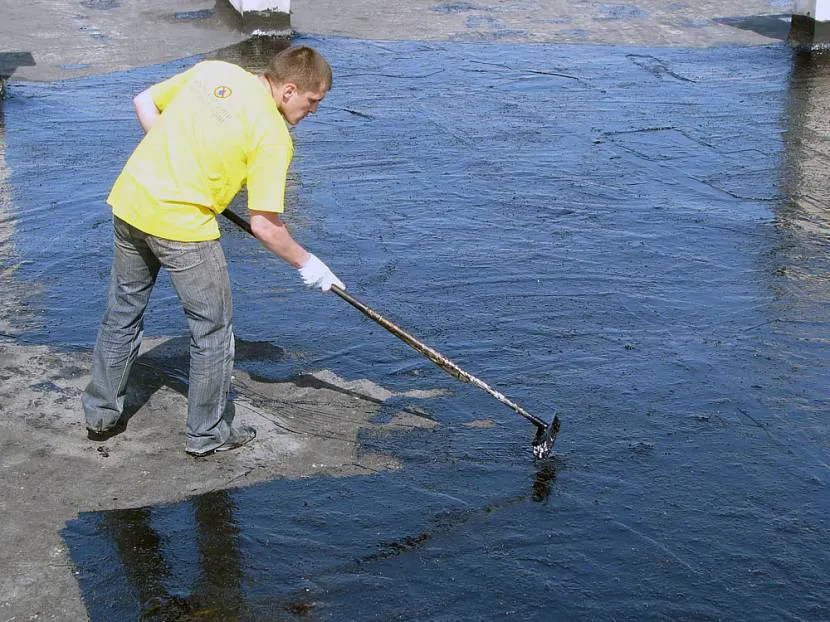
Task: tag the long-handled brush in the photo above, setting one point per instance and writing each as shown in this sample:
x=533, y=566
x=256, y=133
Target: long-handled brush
x=545, y=432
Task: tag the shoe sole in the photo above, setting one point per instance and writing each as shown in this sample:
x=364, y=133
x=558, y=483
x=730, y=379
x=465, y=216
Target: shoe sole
x=100, y=437
x=222, y=448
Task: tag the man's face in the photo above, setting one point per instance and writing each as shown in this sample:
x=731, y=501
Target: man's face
x=296, y=104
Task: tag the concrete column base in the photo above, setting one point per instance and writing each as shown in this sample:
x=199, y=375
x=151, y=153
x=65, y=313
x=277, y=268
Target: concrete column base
x=263, y=17
x=9, y=62
x=275, y=23
x=809, y=34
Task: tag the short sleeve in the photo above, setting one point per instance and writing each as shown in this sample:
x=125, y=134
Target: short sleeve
x=163, y=92
x=268, y=171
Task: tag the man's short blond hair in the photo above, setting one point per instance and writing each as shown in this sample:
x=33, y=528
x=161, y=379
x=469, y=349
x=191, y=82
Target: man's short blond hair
x=302, y=66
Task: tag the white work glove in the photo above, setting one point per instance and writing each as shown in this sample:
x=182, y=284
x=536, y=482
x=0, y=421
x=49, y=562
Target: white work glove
x=317, y=274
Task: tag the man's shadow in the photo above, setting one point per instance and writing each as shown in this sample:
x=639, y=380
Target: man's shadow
x=167, y=365
x=164, y=365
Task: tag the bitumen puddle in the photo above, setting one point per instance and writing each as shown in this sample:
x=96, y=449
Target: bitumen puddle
x=634, y=237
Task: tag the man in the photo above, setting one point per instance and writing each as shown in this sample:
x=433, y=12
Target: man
x=209, y=130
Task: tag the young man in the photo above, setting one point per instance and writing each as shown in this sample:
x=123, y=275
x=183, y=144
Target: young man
x=209, y=130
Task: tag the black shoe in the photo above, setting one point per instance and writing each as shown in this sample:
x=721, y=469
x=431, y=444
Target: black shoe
x=105, y=435
x=239, y=436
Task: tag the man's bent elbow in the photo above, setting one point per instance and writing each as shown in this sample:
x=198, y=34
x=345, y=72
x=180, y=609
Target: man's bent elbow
x=146, y=109
x=263, y=225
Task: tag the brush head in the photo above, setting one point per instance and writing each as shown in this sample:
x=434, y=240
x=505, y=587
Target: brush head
x=545, y=437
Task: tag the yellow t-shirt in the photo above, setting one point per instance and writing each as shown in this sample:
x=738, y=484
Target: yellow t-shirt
x=219, y=129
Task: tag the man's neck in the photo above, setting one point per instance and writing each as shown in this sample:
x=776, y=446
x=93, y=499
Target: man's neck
x=266, y=84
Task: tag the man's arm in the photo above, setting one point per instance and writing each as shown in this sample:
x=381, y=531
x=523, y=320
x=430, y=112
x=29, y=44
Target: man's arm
x=146, y=110
x=271, y=231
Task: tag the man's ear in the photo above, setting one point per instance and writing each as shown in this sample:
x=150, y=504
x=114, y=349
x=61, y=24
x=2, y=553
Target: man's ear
x=288, y=89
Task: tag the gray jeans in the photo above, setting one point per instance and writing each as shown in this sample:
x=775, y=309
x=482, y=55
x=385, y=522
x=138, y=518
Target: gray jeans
x=199, y=275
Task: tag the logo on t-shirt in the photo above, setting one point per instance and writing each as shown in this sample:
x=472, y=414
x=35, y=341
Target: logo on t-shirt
x=222, y=92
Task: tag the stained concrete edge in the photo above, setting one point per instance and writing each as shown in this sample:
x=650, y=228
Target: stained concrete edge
x=73, y=39
x=51, y=472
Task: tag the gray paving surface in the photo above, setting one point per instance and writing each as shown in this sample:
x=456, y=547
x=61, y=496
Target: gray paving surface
x=70, y=39
x=701, y=23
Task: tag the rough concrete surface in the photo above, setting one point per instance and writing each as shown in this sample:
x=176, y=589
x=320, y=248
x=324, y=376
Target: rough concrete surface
x=650, y=22
x=70, y=39
x=50, y=472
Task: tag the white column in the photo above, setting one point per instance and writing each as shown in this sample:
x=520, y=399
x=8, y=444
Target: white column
x=262, y=6
x=819, y=10
x=264, y=17
x=810, y=26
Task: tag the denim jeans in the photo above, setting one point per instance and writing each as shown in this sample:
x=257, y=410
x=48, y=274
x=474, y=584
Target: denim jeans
x=199, y=275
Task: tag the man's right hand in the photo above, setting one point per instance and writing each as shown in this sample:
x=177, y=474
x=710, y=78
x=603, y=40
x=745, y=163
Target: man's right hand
x=317, y=274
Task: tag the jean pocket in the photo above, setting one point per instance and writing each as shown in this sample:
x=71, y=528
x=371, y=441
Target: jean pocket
x=179, y=256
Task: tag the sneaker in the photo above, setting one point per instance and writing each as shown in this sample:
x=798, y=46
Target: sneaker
x=99, y=436
x=239, y=436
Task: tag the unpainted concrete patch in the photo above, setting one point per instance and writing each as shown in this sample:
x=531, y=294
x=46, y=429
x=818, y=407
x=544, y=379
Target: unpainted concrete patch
x=51, y=472
x=369, y=390
x=480, y=423
x=408, y=421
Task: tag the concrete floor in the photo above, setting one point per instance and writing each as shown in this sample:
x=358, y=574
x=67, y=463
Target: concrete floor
x=71, y=39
